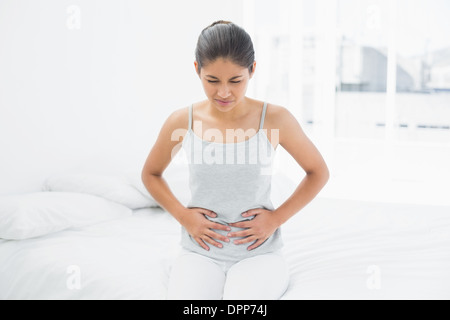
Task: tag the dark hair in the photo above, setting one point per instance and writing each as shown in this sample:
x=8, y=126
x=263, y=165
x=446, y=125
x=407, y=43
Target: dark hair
x=224, y=39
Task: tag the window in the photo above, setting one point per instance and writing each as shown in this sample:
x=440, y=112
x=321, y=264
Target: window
x=376, y=64
x=369, y=81
x=423, y=71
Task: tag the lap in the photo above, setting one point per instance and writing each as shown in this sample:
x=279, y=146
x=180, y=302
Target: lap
x=263, y=277
x=196, y=277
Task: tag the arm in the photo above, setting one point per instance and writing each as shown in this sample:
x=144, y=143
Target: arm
x=298, y=145
x=158, y=160
x=193, y=220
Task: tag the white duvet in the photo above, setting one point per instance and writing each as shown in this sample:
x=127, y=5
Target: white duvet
x=337, y=249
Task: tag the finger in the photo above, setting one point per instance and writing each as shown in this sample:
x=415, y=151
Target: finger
x=252, y=212
x=209, y=213
x=212, y=241
x=241, y=234
x=242, y=224
x=215, y=235
x=218, y=226
x=202, y=244
x=255, y=245
x=245, y=240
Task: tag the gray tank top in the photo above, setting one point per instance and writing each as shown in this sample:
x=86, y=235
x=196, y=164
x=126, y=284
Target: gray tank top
x=229, y=179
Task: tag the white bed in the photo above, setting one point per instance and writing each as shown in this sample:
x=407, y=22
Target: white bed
x=337, y=249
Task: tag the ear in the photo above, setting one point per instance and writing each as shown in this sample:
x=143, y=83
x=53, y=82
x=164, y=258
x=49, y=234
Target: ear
x=253, y=69
x=197, y=68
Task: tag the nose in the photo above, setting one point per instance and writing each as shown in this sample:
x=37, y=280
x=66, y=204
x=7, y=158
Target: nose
x=224, y=92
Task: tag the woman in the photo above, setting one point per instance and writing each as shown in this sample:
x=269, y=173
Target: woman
x=230, y=230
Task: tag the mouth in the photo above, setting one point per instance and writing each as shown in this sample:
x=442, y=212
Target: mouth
x=223, y=103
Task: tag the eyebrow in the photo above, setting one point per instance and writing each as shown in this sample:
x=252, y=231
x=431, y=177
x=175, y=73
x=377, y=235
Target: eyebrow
x=234, y=78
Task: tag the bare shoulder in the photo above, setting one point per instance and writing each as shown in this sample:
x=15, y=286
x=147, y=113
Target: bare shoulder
x=284, y=122
x=174, y=128
x=179, y=119
x=276, y=115
x=280, y=118
x=168, y=142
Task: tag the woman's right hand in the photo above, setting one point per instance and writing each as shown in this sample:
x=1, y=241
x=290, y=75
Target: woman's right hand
x=201, y=229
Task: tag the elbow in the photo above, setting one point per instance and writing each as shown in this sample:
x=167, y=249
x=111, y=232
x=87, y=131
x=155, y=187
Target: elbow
x=321, y=175
x=148, y=171
x=147, y=181
x=326, y=174
x=144, y=180
x=146, y=176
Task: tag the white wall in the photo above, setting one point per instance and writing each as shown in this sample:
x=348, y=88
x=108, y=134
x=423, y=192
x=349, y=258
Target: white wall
x=85, y=85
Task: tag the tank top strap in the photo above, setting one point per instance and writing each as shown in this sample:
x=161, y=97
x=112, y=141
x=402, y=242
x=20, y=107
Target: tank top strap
x=190, y=116
x=263, y=116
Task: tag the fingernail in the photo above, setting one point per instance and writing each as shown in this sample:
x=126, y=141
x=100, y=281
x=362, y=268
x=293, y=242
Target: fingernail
x=236, y=242
x=220, y=246
x=228, y=229
x=227, y=240
x=230, y=235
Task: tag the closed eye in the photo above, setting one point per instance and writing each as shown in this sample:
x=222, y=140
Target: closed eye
x=235, y=82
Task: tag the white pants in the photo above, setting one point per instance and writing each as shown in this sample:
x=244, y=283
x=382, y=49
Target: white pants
x=197, y=277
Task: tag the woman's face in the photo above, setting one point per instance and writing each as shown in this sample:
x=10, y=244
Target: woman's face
x=225, y=83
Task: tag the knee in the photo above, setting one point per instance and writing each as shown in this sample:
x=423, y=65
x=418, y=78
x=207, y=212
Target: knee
x=250, y=282
x=195, y=278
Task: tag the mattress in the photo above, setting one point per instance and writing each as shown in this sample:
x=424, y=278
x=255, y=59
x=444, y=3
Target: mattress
x=336, y=249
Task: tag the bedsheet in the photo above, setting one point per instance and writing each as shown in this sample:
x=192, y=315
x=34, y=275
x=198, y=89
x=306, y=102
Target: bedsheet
x=336, y=249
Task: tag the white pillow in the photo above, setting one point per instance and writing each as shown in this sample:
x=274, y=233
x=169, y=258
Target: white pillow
x=37, y=214
x=127, y=191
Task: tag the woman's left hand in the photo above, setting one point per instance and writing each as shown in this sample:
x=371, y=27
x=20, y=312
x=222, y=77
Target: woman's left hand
x=258, y=230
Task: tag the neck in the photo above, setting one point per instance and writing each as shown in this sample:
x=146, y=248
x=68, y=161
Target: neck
x=238, y=111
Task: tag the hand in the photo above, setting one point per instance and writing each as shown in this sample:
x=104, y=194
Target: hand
x=201, y=229
x=258, y=230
